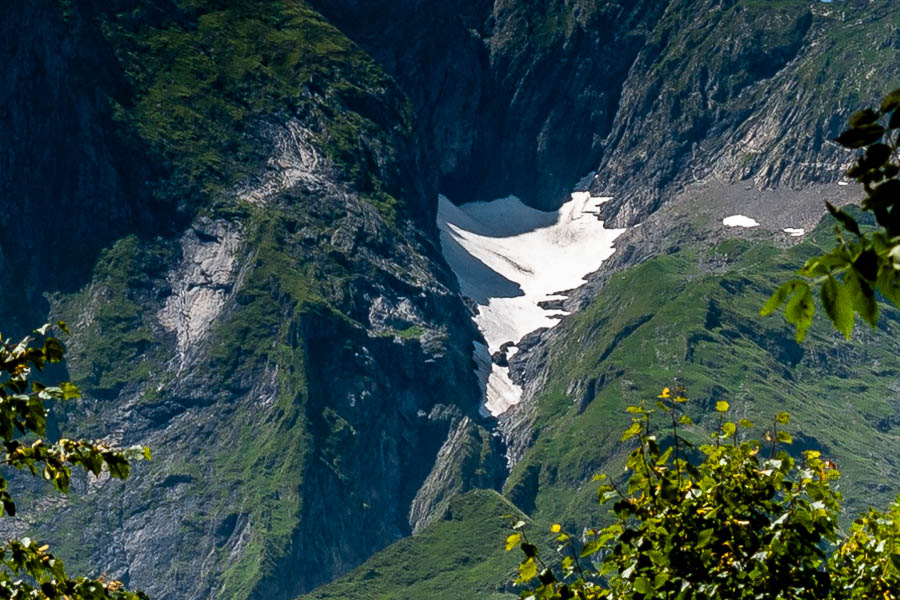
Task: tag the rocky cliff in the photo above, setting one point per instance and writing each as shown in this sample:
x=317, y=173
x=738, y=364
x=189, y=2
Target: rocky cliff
x=254, y=288
x=527, y=98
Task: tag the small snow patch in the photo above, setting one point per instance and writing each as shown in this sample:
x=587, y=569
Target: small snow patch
x=739, y=221
x=843, y=183
x=794, y=232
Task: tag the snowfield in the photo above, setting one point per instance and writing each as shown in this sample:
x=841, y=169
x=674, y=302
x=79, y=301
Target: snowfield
x=508, y=257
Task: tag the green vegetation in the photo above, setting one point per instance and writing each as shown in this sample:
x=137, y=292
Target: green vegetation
x=692, y=317
x=117, y=346
x=203, y=83
x=265, y=459
x=454, y=557
x=744, y=521
x=733, y=525
x=27, y=569
x=206, y=78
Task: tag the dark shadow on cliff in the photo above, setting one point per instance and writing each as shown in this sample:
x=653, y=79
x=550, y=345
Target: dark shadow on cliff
x=72, y=179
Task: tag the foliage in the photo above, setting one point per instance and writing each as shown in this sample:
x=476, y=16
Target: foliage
x=744, y=520
x=866, y=259
x=29, y=570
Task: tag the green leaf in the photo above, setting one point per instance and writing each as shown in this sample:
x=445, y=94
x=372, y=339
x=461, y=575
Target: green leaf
x=632, y=431
x=606, y=496
x=860, y=136
x=844, y=218
x=785, y=438
x=882, y=197
x=642, y=585
x=866, y=116
x=591, y=548
x=838, y=305
x=862, y=297
x=876, y=155
x=780, y=295
x=889, y=283
x=53, y=349
x=890, y=102
x=69, y=391
x=823, y=265
x=729, y=429
x=783, y=418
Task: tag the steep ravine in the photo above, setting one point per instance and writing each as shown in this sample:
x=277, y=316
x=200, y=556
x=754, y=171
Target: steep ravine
x=514, y=263
x=677, y=303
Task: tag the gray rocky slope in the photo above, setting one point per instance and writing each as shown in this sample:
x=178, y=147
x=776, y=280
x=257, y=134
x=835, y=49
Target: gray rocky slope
x=526, y=98
x=247, y=251
x=289, y=344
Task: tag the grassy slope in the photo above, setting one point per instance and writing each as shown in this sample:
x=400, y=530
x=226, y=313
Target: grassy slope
x=692, y=318
x=689, y=317
x=203, y=75
x=458, y=557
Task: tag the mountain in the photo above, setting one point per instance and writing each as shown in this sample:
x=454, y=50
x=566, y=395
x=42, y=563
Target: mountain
x=253, y=283
x=234, y=206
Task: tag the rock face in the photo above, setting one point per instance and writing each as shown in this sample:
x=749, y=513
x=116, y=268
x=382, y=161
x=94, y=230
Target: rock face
x=471, y=458
x=514, y=97
x=758, y=92
x=290, y=343
x=202, y=283
x=526, y=98
x=65, y=180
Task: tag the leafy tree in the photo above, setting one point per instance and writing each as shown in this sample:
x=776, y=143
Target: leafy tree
x=28, y=570
x=866, y=259
x=742, y=520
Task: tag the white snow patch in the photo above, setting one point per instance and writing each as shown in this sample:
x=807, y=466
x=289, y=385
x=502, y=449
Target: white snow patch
x=739, y=221
x=508, y=257
x=843, y=183
x=794, y=232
